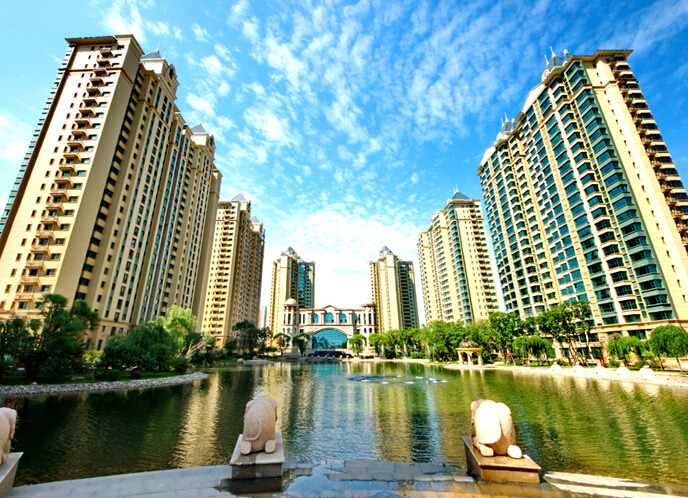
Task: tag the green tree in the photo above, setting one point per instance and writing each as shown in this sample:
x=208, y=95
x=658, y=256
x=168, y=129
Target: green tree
x=376, y=341
x=14, y=336
x=357, y=342
x=301, y=341
x=147, y=346
x=247, y=333
x=565, y=323
x=669, y=340
x=179, y=323
x=623, y=347
x=282, y=341
x=263, y=337
x=56, y=351
x=503, y=328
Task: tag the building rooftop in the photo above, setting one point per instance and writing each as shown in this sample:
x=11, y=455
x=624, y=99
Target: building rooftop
x=240, y=196
x=198, y=128
x=152, y=55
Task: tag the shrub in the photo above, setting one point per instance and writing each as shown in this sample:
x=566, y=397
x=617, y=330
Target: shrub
x=180, y=364
x=100, y=374
x=113, y=375
x=136, y=374
x=54, y=370
x=614, y=363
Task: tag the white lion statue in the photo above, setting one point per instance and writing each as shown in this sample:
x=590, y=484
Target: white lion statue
x=492, y=429
x=8, y=419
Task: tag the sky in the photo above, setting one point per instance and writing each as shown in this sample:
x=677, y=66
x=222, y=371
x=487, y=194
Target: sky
x=347, y=123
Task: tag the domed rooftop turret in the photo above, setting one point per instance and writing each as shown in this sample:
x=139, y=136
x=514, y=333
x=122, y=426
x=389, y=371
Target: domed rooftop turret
x=290, y=302
x=468, y=343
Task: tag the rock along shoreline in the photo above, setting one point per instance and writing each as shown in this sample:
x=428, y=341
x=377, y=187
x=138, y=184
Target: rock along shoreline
x=98, y=387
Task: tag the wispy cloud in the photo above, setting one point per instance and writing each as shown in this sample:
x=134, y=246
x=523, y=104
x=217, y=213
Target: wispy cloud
x=201, y=34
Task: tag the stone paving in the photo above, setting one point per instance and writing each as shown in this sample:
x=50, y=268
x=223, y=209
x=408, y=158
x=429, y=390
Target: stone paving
x=345, y=479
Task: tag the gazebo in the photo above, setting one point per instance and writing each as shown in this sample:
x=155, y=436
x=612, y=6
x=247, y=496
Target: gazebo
x=469, y=347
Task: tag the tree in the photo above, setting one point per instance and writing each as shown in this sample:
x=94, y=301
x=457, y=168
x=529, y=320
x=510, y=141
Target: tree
x=503, y=328
x=147, y=346
x=357, y=342
x=376, y=341
x=564, y=322
x=622, y=347
x=669, y=340
x=263, y=337
x=282, y=341
x=56, y=351
x=301, y=341
x=179, y=323
x=247, y=334
x=14, y=335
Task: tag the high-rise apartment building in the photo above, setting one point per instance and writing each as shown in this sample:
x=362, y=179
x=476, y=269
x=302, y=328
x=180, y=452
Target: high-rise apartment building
x=116, y=194
x=236, y=270
x=584, y=202
x=455, y=268
x=393, y=290
x=292, y=278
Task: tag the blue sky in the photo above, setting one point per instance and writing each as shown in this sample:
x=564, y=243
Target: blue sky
x=347, y=123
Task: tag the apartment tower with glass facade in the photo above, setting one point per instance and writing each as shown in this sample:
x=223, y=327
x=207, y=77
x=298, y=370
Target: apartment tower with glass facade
x=455, y=269
x=584, y=202
x=116, y=195
x=292, y=278
x=393, y=290
x=236, y=270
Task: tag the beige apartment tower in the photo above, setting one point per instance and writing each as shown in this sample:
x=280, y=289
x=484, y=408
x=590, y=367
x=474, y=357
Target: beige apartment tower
x=393, y=290
x=584, y=201
x=292, y=278
x=455, y=268
x=236, y=270
x=116, y=195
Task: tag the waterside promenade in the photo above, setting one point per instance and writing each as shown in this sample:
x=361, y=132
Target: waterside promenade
x=343, y=479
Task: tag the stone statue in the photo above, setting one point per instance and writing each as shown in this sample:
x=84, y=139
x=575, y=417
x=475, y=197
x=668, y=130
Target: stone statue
x=600, y=370
x=493, y=430
x=556, y=368
x=8, y=419
x=623, y=372
x=577, y=370
x=259, y=426
x=647, y=373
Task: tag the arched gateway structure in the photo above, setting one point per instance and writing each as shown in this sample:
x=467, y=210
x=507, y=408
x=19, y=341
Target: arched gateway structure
x=329, y=327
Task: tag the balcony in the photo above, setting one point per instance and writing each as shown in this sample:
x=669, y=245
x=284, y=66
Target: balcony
x=58, y=192
x=94, y=89
x=30, y=280
x=40, y=249
x=90, y=99
x=24, y=296
x=100, y=71
x=68, y=168
x=65, y=180
x=72, y=142
x=72, y=154
x=79, y=132
x=58, y=206
x=45, y=234
x=36, y=263
x=103, y=62
x=49, y=219
x=105, y=51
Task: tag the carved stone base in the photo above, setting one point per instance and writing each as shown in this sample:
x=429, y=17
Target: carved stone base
x=500, y=468
x=257, y=465
x=8, y=471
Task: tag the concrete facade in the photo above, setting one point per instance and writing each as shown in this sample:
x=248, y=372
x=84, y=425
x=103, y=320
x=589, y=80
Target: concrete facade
x=584, y=202
x=292, y=278
x=111, y=201
x=393, y=290
x=313, y=321
x=455, y=269
x=236, y=270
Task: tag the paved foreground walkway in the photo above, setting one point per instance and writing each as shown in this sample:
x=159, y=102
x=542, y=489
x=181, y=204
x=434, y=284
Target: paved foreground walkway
x=345, y=479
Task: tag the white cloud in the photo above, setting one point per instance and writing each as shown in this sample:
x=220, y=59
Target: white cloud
x=124, y=17
x=200, y=33
x=415, y=178
x=200, y=104
x=158, y=28
x=177, y=33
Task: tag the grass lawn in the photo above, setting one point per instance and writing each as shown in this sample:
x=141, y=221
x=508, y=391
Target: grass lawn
x=12, y=380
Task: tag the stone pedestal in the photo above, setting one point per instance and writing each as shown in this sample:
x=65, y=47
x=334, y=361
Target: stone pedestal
x=500, y=468
x=8, y=471
x=257, y=465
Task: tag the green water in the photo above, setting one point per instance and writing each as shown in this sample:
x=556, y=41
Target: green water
x=357, y=411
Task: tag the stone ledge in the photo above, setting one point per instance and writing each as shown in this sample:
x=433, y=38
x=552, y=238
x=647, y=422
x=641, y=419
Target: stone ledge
x=96, y=387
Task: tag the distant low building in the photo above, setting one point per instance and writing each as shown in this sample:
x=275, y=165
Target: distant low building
x=329, y=327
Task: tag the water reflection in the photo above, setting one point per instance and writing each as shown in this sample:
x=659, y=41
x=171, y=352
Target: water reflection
x=361, y=411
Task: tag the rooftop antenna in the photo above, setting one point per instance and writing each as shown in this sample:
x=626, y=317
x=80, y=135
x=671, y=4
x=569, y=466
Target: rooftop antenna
x=456, y=189
x=553, y=54
x=546, y=61
x=507, y=119
x=157, y=49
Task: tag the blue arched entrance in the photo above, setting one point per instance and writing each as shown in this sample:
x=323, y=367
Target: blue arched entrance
x=329, y=339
